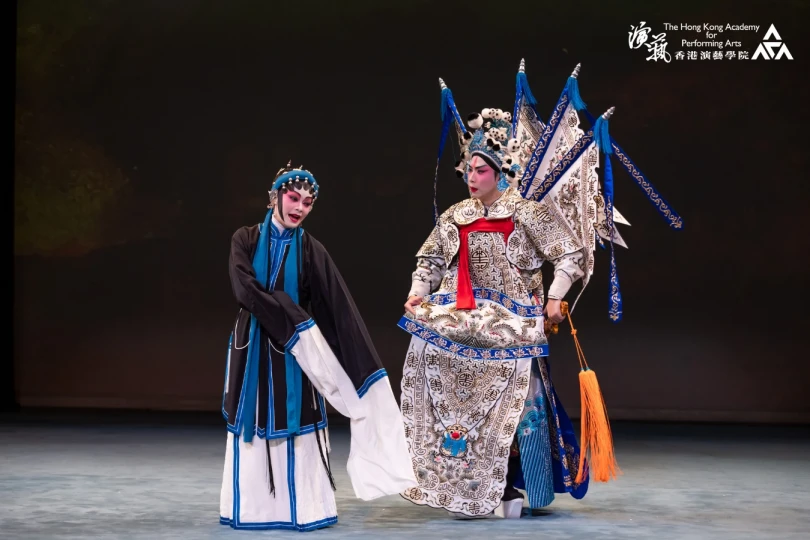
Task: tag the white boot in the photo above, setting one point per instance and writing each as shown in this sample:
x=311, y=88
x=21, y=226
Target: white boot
x=510, y=509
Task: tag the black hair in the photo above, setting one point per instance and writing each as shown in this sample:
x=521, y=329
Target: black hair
x=488, y=160
x=297, y=184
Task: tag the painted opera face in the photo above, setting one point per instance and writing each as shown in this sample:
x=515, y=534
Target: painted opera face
x=294, y=205
x=482, y=180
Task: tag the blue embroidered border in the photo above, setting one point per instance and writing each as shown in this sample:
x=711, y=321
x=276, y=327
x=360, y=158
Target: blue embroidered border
x=370, y=380
x=289, y=525
x=666, y=211
x=473, y=353
x=500, y=298
x=543, y=144
x=280, y=525
x=300, y=327
x=562, y=167
x=655, y=198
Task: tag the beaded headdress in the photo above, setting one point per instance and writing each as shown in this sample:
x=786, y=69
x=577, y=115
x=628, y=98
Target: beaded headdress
x=287, y=177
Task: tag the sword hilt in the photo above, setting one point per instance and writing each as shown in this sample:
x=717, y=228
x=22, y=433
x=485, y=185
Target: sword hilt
x=551, y=328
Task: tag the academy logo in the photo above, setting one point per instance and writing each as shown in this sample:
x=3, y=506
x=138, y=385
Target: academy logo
x=774, y=49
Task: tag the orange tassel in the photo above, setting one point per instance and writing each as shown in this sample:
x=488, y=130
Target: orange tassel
x=597, y=440
x=596, y=437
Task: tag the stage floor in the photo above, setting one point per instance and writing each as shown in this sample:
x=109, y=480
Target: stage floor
x=119, y=475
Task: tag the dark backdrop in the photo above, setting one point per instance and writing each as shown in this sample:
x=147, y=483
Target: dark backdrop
x=147, y=132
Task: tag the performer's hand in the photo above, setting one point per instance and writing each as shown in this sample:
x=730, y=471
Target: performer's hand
x=554, y=312
x=412, y=302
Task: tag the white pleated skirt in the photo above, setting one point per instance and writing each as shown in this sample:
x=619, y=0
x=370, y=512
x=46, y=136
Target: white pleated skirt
x=303, y=498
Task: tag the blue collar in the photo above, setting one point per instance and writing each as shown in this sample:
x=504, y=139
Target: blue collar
x=277, y=231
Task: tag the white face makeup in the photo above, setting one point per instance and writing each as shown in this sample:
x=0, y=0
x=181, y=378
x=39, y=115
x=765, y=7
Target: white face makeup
x=295, y=205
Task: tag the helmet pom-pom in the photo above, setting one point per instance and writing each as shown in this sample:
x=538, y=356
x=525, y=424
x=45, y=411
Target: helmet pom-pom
x=475, y=121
